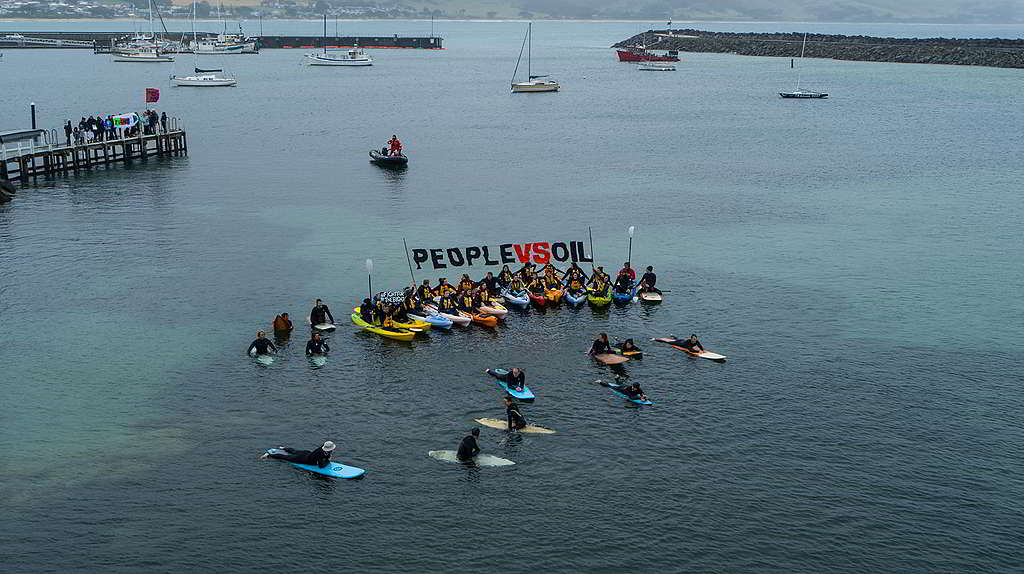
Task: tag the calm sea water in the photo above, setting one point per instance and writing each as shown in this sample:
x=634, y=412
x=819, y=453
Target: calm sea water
x=858, y=259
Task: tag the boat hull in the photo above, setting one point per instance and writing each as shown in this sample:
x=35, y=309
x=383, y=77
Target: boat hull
x=526, y=87
x=317, y=60
x=803, y=95
x=637, y=56
x=204, y=83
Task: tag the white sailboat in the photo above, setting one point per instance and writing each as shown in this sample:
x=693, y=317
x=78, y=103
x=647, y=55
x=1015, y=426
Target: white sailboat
x=143, y=49
x=203, y=78
x=799, y=94
x=352, y=57
x=532, y=83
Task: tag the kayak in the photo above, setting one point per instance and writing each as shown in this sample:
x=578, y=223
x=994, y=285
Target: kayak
x=388, y=161
x=554, y=295
x=649, y=297
x=597, y=300
x=623, y=297
x=613, y=387
x=536, y=299
x=434, y=320
x=676, y=343
x=389, y=332
x=484, y=319
x=457, y=319
x=333, y=469
x=636, y=353
x=524, y=395
x=503, y=425
x=411, y=324
x=495, y=308
x=519, y=298
x=610, y=359
x=575, y=300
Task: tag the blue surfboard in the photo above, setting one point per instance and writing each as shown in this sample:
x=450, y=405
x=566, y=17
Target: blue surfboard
x=524, y=395
x=333, y=470
x=612, y=387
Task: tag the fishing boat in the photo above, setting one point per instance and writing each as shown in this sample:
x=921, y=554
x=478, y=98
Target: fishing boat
x=203, y=77
x=532, y=83
x=352, y=57
x=799, y=94
x=656, y=67
x=393, y=161
x=639, y=53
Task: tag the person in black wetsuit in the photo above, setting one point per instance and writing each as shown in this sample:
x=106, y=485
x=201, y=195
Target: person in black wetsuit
x=505, y=276
x=261, y=345
x=319, y=457
x=516, y=420
x=368, y=311
x=634, y=392
x=600, y=345
x=320, y=314
x=623, y=283
x=691, y=344
x=424, y=292
x=491, y=283
x=515, y=378
x=648, y=281
x=469, y=448
x=316, y=346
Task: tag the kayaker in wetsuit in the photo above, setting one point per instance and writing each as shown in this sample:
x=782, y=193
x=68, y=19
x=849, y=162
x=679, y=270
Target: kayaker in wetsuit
x=282, y=324
x=623, y=283
x=368, y=311
x=410, y=305
x=469, y=448
x=691, y=344
x=465, y=284
x=482, y=298
x=424, y=292
x=262, y=345
x=648, y=281
x=628, y=271
x=516, y=420
x=320, y=314
x=443, y=288
x=395, y=146
x=316, y=346
x=491, y=283
x=600, y=345
x=505, y=276
x=319, y=457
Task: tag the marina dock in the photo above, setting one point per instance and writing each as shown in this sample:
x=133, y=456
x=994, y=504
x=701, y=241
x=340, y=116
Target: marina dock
x=102, y=42
x=49, y=156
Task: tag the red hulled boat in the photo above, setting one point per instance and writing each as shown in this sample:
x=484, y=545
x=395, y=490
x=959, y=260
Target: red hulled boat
x=640, y=54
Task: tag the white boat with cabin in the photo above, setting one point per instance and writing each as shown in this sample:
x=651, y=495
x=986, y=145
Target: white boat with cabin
x=354, y=56
x=533, y=83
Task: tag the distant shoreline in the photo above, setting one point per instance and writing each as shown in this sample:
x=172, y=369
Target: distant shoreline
x=524, y=20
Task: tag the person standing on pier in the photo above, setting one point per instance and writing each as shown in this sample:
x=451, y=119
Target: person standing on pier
x=67, y=132
x=163, y=121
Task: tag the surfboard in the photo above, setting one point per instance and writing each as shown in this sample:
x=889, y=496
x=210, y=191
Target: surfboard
x=325, y=327
x=333, y=470
x=610, y=359
x=613, y=387
x=649, y=297
x=481, y=459
x=263, y=359
x=676, y=344
x=500, y=424
x=524, y=395
x=318, y=360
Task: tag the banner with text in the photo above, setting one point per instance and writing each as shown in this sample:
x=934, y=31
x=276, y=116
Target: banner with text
x=540, y=253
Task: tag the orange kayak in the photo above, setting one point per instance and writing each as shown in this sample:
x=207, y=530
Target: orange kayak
x=485, y=319
x=553, y=295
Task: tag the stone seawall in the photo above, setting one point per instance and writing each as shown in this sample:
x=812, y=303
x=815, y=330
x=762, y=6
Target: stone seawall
x=994, y=52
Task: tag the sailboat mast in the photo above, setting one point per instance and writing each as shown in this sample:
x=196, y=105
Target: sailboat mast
x=800, y=72
x=325, y=33
x=152, y=31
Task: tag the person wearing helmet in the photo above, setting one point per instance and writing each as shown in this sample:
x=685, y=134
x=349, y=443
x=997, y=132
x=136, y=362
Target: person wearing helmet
x=469, y=448
x=319, y=457
x=261, y=346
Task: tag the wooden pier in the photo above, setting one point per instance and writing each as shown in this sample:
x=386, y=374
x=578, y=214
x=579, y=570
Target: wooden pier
x=22, y=161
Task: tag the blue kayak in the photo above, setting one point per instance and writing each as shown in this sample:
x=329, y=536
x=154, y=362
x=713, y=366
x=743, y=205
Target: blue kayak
x=624, y=297
x=575, y=300
x=519, y=298
x=434, y=320
x=333, y=470
x=613, y=388
x=524, y=395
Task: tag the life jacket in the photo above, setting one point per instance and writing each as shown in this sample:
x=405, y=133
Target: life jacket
x=466, y=284
x=425, y=292
x=467, y=301
x=445, y=289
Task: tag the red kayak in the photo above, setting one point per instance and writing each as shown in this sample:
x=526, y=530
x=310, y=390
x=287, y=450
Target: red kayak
x=538, y=300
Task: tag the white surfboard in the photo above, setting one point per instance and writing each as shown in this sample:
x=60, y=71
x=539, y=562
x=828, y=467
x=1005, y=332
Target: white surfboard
x=481, y=459
x=325, y=327
x=650, y=297
x=318, y=360
x=265, y=359
x=709, y=355
x=500, y=424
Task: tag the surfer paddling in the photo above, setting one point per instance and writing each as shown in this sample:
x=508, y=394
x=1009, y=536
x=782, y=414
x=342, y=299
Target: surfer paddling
x=319, y=457
x=692, y=344
x=601, y=345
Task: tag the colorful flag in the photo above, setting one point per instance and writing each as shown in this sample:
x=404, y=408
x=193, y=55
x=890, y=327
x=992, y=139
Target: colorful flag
x=152, y=95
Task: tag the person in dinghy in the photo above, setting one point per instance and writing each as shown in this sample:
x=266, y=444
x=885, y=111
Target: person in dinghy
x=394, y=146
x=319, y=457
x=320, y=314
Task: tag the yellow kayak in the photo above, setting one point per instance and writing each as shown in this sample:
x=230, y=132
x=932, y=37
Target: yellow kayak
x=407, y=324
x=389, y=332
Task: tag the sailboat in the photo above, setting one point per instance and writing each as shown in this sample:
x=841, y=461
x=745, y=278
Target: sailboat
x=202, y=78
x=353, y=57
x=142, y=48
x=532, y=83
x=798, y=93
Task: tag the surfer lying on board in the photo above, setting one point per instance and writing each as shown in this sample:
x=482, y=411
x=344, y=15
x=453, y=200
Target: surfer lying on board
x=262, y=345
x=516, y=420
x=692, y=344
x=648, y=281
x=515, y=378
x=319, y=457
x=316, y=346
x=634, y=392
x=600, y=346
x=469, y=448
x=282, y=324
x=629, y=345
x=320, y=314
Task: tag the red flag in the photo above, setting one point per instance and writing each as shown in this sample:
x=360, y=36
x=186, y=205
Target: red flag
x=152, y=95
